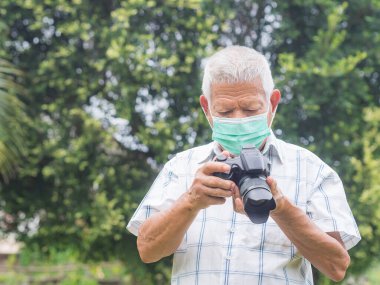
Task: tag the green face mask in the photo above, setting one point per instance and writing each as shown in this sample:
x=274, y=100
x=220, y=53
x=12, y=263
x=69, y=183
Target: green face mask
x=234, y=133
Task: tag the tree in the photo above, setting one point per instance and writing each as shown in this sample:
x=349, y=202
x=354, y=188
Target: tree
x=328, y=86
x=108, y=82
x=11, y=117
x=366, y=187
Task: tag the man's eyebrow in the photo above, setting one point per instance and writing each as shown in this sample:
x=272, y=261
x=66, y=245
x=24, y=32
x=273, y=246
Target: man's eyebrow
x=225, y=102
x=222, y=108
x=250, y=102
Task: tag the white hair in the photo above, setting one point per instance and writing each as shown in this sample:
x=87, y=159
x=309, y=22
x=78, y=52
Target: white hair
x=237, y=64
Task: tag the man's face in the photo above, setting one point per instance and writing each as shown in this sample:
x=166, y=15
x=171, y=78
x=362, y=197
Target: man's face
x=239, y=100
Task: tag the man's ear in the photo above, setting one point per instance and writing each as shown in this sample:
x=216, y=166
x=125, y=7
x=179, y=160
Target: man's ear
x=275, y=99
x=204, y=104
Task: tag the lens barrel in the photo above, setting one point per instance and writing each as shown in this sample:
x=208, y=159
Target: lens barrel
x=257, y=198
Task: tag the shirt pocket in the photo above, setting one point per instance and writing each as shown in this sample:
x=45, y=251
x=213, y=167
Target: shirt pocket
x=275, y=239
x=266, y=237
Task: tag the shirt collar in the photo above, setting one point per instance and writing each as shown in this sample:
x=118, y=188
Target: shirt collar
x=212, y=150
x=271, y=144
x=274, y=146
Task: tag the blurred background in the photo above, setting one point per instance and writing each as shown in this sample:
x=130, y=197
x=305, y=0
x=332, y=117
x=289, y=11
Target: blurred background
x=96, y=95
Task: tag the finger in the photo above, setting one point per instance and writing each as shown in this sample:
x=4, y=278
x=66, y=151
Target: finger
x=273, y=185
x=217, y=192
x=238, y=202
x=276, y=192
x=217, y=182
x=235, y=191
x=226, y=153
x=239, y=206
x=217, y=200
x=215, y=166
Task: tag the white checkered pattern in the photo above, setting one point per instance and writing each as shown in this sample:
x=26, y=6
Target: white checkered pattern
x=223, y=247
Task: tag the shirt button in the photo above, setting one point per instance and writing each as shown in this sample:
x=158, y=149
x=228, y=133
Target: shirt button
x=228, y=257
x=232, y=230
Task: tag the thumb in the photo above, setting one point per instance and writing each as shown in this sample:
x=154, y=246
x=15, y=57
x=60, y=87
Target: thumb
x=273, y=185
x=226, y=153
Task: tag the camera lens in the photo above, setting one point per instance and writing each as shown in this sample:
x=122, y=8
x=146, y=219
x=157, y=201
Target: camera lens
x=255, y=189
x=257, y=198
x=256, y=203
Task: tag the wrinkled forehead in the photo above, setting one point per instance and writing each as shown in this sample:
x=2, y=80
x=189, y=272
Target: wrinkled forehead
x=244, y=95
x=252, y=90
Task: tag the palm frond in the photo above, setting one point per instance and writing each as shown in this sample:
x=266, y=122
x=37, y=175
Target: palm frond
x=11, y=111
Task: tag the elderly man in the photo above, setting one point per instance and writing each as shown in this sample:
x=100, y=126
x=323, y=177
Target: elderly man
x=200, y=217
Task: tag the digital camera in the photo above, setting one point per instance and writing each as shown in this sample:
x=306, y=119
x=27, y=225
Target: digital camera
x=249, y=172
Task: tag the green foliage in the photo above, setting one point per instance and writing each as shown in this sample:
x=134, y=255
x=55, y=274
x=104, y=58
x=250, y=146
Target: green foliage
x=330, y=78
x=321, y=91
x=13, y=278
x=367, y=188
x=63, y=266
x=32, y=255
x=114, y=89
x=12, y=116
x=78, y=279
x=372, y=275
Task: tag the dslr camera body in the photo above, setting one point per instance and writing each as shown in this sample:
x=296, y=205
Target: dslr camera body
x=249, y=172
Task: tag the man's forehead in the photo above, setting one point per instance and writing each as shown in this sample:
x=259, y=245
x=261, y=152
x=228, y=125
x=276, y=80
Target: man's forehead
x=253, y=88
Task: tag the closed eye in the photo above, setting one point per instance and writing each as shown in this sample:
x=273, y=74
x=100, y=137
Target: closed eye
x=256, y=111
x=225, y=112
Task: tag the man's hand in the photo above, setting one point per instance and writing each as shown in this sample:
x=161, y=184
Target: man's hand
x=208, y=189
x=276, y=192
x=324, y=250
x=278, y=196
x=162, y=233
x=237, y=201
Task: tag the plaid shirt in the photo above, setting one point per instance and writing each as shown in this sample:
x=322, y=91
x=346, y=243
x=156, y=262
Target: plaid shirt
x=223, y=247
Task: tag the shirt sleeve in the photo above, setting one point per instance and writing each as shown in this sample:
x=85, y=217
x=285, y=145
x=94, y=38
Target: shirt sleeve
x=328, y=207
x=161, y=195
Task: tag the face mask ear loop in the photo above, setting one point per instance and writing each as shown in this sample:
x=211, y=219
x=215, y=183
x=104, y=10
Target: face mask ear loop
x=273, y=115
x=204, y=112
